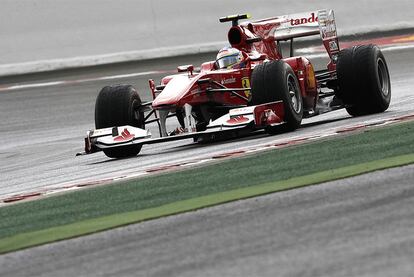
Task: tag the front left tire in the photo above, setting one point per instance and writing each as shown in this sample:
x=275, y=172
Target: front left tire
x=118, y=105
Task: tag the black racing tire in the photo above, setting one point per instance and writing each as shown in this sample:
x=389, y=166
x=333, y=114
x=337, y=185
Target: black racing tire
x=363, y=80
x=274, y=81
x=116, y=106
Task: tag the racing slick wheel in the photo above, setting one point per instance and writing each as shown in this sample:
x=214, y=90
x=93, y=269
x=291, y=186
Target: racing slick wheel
x=117, y=105
x=273, y=81
x=363, y=80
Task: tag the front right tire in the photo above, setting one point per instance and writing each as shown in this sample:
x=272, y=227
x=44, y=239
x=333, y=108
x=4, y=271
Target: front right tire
x=274, y=81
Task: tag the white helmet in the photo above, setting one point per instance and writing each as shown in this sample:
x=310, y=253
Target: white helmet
x=228, y=57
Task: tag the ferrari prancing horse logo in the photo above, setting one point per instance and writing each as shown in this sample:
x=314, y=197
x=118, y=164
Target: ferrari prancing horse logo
x=246, y=84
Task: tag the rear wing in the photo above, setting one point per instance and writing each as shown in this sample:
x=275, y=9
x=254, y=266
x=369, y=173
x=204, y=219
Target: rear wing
x=296, y=25
x=288, y=27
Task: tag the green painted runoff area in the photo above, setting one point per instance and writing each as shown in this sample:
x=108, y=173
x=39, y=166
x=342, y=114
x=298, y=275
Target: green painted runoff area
x=77, y=213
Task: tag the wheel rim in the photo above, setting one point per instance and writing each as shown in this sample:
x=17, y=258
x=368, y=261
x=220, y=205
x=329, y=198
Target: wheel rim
x=294, y=93
x=383, y=77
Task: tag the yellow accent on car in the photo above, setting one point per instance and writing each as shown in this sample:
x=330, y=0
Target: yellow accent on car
x=246, y=84
x=310, y=77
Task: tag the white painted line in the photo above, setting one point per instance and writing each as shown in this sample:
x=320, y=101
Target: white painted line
x=103, y=78
x=130, y=75
x=311, y=53
x=397, y=47
x=319, y=52
x=29, y=86
x=128, y=56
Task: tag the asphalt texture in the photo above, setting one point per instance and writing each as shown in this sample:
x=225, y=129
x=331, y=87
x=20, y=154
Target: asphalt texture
x=42, y=128
x=361, y=226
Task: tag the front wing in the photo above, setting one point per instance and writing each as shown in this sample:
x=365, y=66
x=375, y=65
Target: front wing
x=249, y=118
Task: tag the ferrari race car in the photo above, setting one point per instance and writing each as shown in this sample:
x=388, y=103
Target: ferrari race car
x=250, y=86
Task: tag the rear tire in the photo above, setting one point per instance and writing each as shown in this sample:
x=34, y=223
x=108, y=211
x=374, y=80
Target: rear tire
x=116, y=106
x=363, y=78
x=274, y=81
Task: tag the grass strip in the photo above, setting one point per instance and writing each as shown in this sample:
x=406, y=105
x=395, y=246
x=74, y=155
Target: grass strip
x=25, y=240
x=280, y=165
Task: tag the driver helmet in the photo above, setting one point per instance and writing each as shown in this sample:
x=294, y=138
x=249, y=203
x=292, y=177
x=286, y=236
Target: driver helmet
x=230, y=58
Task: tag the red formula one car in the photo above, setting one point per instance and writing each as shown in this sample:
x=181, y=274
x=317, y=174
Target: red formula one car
x=250, y=86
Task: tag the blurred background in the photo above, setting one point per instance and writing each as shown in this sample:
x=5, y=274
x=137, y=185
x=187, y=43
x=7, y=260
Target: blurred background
x=102, y=31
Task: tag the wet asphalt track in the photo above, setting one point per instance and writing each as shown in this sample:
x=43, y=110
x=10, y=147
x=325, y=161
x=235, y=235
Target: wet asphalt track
x=358, y=227
x=42, y=128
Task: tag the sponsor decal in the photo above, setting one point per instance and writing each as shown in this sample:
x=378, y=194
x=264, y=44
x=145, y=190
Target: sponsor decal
x=269, y=117
x=228, y=81
x=125, y=136
x=246, y=84
x=237, y=120
x=240, y=110
x=333, y=46
x=304, y=20
x=101, y=132
x=327, y=24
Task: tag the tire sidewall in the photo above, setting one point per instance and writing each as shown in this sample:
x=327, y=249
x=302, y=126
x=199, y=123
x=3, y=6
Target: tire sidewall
x=290, y=113
x=382, y=99
x=270, y=83
x=359, y=69
x=115, y=106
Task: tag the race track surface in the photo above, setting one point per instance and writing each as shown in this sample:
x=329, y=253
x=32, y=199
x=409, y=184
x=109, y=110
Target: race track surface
x=361, y=226
x=43, y=127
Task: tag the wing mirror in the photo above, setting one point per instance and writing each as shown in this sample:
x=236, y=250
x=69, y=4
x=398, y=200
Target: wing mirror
x=254, y=58
x=186, y=68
